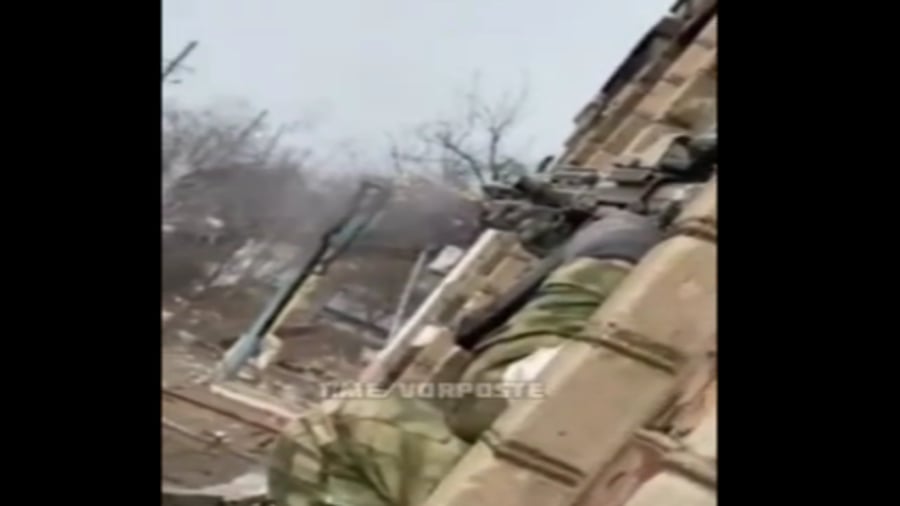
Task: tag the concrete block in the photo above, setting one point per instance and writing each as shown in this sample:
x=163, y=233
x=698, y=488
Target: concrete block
x=621, y=478
x=704, y=439
x=645, y=148
x=474, y=302
x=627, y=130
x=665, y=311
x=588, y=392
x=696, y=109
x=700, y=55
x=599, y=159
x=709, y=36
x=483, y=477
x=672, y=489
x=658, y=101
x=440, y=357
x=506, y=273
x=696, y=397
x=662, y=96
x=618, y=111
x=692, y=103
x=546, y=452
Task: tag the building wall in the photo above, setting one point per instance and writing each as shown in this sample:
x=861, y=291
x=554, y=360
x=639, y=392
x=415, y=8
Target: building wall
x=666, y=85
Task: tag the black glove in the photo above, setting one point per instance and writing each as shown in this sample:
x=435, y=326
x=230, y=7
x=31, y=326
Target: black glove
x=619, y=235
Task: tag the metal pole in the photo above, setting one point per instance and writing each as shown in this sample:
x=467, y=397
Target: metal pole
x=407, y=293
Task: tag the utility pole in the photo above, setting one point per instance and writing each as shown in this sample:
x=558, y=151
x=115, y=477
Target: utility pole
x=178, y=60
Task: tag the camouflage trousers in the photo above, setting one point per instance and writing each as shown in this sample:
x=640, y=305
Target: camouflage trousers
x=391, y=451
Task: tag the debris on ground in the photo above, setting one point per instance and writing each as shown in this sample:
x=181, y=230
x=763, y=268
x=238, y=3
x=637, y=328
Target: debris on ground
x=245, y=490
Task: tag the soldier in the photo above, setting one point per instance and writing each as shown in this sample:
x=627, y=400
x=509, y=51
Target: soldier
x=393, y=451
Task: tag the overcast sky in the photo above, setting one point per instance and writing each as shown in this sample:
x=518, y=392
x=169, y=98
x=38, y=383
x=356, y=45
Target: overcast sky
x=362, y=68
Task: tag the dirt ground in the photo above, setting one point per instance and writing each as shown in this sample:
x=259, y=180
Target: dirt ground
x=201, y=444
x=208, y=439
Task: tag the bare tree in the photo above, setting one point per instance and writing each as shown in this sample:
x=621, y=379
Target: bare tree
x=470, y=146
x=241, y=208
x=227, y=180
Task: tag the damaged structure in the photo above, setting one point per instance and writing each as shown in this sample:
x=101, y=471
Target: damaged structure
x=630, y=413
x=630, y=418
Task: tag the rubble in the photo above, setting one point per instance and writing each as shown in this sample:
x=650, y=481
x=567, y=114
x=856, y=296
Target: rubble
x=186, y=337
x=578, y=449
x=245, y=490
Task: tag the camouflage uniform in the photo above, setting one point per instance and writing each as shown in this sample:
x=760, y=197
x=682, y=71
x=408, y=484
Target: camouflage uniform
x=394, y=451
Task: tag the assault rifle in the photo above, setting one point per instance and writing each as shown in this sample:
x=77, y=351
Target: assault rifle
x=545, y=213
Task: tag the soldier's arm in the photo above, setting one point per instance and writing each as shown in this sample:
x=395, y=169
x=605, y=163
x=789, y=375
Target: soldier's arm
x=598, y=259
